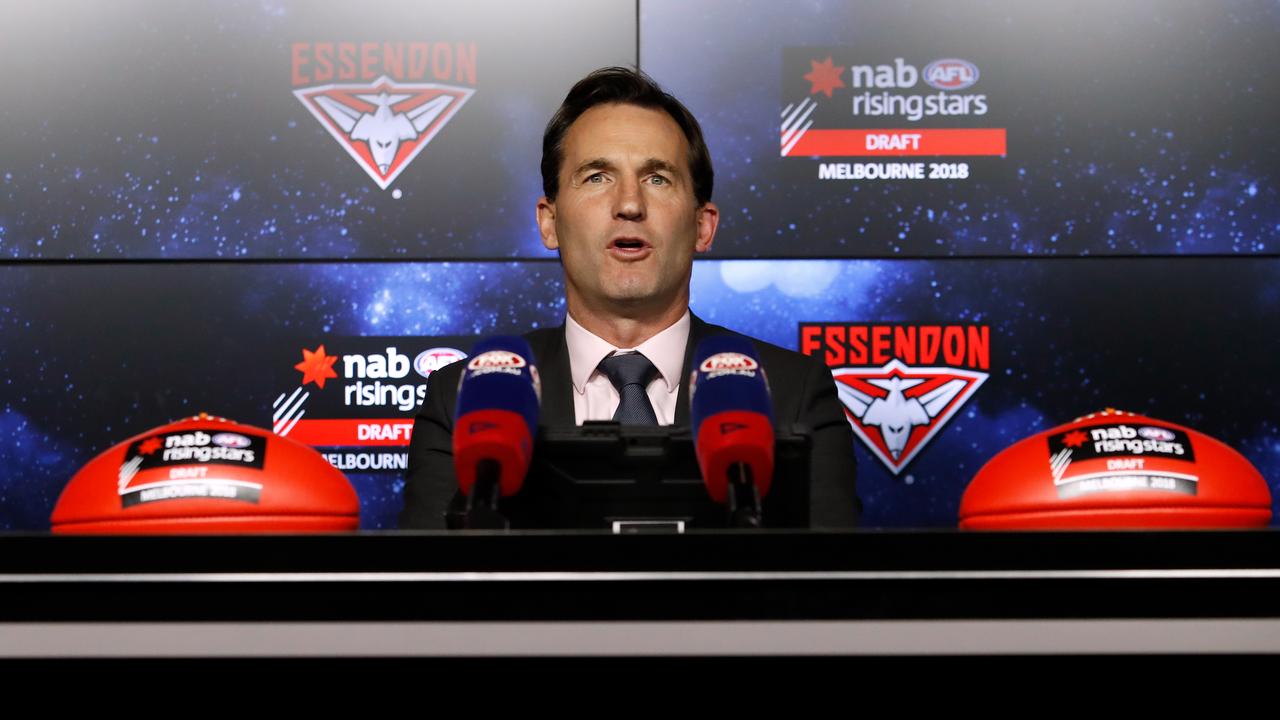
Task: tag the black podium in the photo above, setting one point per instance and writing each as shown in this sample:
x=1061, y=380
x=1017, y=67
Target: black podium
x=596, y=594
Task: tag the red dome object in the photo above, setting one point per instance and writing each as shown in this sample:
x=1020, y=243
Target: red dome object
x=207, y=475
x=1116, y=470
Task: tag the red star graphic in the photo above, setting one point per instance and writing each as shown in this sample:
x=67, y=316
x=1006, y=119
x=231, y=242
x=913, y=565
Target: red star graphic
x=316, y=366
x=1074, y=439
x=149, y=446
x=824, y=77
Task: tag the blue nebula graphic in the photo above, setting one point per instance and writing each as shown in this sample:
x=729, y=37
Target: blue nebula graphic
x=141, y=345
x=209, y=154
x=1154, y=136
x=1124, y=253
x=40, y=463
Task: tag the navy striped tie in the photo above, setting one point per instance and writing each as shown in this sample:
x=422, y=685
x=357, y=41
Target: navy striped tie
x=631, y=374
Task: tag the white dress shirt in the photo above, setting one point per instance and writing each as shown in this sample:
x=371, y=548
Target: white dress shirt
x=595, y=398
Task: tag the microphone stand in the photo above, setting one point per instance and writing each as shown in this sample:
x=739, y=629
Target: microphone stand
x=744, y=498
x=482, y=502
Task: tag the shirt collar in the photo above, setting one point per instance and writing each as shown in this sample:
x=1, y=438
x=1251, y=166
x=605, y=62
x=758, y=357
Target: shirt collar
x=665, y=350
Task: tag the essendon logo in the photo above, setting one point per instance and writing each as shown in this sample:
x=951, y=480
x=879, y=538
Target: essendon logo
x=900, y=384
x=378, y=109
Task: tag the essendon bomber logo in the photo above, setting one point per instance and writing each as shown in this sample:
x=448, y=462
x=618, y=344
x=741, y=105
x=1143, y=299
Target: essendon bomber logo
x=900, y=384
x=371, y=98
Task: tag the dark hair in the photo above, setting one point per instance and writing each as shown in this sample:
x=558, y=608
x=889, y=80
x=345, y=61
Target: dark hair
x=629, y=87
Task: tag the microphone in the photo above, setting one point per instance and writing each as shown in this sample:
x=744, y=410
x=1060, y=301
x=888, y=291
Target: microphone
x=493, y=428
x=732, y=418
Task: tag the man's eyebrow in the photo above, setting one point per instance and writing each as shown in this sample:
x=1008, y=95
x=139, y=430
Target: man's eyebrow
x=594, y=164
x=648, y=166
x=658, y=164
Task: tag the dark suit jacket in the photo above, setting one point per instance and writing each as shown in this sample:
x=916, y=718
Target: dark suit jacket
x=803, y=394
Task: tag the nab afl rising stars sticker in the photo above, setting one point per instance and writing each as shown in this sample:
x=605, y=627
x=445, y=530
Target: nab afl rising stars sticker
x=188, y=457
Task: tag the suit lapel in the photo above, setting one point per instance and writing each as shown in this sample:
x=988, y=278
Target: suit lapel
x=553, y=364
x=697, y=331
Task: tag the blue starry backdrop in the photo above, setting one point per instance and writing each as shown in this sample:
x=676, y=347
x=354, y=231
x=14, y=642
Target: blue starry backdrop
x=148, y=129
x=175, y=226
x=99, y=353
x=156, y=129
x=1136, y=127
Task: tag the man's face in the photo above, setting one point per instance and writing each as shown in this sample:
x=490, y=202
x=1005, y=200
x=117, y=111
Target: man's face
x=625, y=221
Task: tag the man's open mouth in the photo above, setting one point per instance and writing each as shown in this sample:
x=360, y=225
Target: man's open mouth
x=628, y=244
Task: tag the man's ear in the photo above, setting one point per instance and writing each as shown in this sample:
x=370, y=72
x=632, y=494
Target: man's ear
x=546, y=212
x=708, y=220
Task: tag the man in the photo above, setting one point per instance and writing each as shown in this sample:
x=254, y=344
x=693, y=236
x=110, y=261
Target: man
x=627, y=180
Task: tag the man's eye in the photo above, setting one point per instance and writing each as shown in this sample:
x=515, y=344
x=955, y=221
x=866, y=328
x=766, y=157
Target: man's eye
x=595, y=178
x=659, y=180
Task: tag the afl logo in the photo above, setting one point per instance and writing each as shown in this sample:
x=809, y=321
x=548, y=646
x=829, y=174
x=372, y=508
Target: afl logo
x=1155, y=433
x=728, y=361
x=231, y=440
x=496, y=359
x=951, y=74
x=429, y=361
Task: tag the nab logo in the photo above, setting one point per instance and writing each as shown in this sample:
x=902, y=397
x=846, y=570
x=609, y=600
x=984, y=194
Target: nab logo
x=900, y=384
x=383, y=125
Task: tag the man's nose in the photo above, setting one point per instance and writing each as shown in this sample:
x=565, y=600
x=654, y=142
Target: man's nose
x=629, y=201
